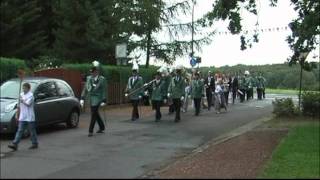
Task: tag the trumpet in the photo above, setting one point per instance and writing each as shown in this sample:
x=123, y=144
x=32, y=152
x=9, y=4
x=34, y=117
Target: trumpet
x=138, y=89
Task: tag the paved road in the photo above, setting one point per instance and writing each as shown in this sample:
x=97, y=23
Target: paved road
x=128, y=149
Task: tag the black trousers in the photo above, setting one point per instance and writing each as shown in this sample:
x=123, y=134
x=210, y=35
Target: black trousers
x=157, y=105
x=135, y=112
x=234, y=96
x=264, y=93
x=249, y=93
x=209, y=99
x=242, y=96
x=171, y=108
x=259, y=92
x=177, y=108
x=197, y=103
x=95, y=117
x=226, y=97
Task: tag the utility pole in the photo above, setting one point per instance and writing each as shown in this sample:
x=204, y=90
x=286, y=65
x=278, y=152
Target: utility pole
x=192, y=52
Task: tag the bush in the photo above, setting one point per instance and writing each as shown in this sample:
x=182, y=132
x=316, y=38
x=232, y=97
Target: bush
x=113, y=73
x=311, y=104
x=9, y=68
x=283, y=107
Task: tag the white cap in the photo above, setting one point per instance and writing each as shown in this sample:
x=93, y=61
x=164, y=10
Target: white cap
x=247, y=73
x=179, y=67
x=135, y=66
x=95, y=63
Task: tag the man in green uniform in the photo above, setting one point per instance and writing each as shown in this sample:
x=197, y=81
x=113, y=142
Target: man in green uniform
x=134, y=88
x=95, y=88
x=260, y=86
x=242, y=88
x=176, y=91
x=249, y=85
x=158, y=93
x=197, y=92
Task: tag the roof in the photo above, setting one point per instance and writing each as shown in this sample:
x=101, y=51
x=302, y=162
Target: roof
x=35, y=79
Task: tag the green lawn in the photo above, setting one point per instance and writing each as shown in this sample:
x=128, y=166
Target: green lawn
x=298, y=154
x=282, y=91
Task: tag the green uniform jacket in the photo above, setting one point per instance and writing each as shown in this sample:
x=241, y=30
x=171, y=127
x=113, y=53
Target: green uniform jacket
x=242, y=83
x=177, y=88
x=158, y=91
x=197, y=88
x=167, y=81
x=132, y=86
x=260, y=82
x=97, y=93
x=249, y=82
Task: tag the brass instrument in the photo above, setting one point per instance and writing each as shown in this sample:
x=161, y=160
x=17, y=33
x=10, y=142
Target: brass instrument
x=138, y=89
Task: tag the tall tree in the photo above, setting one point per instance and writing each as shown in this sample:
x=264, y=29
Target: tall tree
x=21, y=34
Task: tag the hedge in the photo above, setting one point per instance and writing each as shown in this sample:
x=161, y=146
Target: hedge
x=311, y=104
x=113, y=73
x=9, y=67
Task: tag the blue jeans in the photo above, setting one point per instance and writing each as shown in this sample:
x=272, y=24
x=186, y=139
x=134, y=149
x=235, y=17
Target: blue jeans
x=21, y=128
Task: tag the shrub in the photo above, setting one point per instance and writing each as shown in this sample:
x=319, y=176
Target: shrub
x=283, y=107
x=113, y=73
x=311, y=103
x=9, y=68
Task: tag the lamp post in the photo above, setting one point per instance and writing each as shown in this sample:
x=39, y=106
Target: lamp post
x=302, y=57
x=192, y=24
x=121, y=55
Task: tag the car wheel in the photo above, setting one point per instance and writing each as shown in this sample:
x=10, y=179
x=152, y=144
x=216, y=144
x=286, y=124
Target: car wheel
x=73, y=120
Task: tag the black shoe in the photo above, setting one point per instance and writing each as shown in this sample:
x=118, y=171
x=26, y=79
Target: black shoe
x=100, y=131
x=13, y=147
x=176, y=120
x=157, y=120
x=34, y=146
x=133, y=119
x=90, y=134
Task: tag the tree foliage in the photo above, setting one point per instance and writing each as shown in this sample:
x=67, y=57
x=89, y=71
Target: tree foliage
x=305, y=28
x=80, y=31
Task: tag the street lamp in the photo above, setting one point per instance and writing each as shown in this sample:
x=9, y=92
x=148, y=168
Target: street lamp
x=302, y=57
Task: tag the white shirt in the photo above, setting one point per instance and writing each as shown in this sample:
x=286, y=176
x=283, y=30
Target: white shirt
x=27, y=111
x=218, y=89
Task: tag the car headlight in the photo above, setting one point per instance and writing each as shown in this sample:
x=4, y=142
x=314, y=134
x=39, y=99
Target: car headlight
x=10, y=107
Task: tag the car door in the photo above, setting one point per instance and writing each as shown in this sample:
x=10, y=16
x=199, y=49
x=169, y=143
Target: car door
x=66, y=99
x=47, y=103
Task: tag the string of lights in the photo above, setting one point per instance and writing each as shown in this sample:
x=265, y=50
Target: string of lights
x=261, y=30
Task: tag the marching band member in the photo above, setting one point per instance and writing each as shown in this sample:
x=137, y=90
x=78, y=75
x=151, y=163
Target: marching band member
x=242, y=88
x=176, y=91
x=197, y=87
x=95, y=87
x=135, y=82
x=234, y=87
x=168, y=81
x=260, y=86
x=186, y=99
x=249, y=85
x=210, y=87
x=158, y=94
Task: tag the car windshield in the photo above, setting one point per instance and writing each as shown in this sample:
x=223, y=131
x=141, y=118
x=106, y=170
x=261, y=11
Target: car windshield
x=10, y=89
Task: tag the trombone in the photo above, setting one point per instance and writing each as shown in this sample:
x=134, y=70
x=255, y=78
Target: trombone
x=138, y=89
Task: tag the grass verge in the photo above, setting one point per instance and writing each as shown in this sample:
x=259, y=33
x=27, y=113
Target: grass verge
x=298, y=154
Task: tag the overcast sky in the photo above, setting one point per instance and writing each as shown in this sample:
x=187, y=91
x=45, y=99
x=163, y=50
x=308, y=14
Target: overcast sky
x=225, y=49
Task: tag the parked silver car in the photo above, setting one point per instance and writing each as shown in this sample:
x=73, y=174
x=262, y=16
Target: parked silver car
x=55, y=102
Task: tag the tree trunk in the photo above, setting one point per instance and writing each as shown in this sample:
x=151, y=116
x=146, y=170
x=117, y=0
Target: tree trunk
x=148, y=48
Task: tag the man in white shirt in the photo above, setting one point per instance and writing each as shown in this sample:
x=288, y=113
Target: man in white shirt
x=26, y=118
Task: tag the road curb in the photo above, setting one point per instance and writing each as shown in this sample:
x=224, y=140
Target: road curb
x=220, y=139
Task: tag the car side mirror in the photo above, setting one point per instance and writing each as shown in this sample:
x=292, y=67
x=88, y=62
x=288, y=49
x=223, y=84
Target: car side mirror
x=40, y=96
